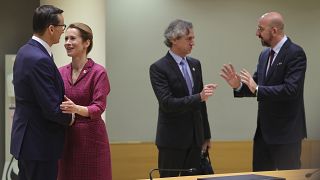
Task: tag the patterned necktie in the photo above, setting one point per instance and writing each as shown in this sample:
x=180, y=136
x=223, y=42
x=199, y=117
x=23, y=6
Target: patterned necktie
x=271, y=55
x=186, y=75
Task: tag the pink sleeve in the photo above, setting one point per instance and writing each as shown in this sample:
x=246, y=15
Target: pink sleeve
x=100, y=91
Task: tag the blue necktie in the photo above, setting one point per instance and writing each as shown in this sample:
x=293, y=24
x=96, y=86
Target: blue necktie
x=186, y=75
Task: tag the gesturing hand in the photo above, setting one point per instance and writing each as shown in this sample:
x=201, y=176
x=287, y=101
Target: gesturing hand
x=207, y=91
x=229, y=74
x=248, y=80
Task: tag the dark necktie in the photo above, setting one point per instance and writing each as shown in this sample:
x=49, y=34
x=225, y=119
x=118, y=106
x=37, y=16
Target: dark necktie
x=271, y=55
x=186, y=75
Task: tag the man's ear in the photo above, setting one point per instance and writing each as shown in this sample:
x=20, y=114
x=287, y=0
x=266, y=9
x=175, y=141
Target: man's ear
x=274, y=30
x=173, y=41
x=51, y=29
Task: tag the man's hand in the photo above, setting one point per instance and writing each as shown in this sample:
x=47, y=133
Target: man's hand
x=206, y=145
x=248, y=80
x=207, y=91
x=229, y=74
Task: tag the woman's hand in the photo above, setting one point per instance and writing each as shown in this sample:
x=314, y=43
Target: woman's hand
x=69, y=106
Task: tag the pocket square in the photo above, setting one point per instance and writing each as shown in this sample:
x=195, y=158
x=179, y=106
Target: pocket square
x=279, y=64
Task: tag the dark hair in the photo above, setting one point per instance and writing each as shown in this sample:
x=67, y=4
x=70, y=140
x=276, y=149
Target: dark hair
x=85, y=33
x=44, y=16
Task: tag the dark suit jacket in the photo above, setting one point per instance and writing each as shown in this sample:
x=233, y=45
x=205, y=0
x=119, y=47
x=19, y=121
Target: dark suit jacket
x=38, y=123
x=182, y=119
x=281, y=114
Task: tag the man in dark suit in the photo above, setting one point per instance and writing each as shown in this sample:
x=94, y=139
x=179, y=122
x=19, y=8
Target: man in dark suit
x=278, y=84
x=183, y=128
x=38, y=125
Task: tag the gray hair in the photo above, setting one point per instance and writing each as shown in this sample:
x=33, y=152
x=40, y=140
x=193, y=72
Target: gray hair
x=176, y=30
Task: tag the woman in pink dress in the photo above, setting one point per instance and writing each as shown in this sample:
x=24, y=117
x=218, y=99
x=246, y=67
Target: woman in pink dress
x=86, y=153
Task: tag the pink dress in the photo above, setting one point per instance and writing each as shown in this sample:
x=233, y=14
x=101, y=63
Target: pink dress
x=86, y=153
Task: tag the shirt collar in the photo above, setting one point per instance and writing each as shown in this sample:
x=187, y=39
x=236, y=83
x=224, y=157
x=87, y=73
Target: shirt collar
x=277, y=48
x=43, y=43
x=176, y=57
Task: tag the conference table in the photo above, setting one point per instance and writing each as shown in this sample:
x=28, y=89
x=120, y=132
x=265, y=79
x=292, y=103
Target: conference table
x=287, y=174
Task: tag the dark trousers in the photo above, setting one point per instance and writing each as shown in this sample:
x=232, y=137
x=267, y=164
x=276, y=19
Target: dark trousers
x=269, y=157
x=175, y=159
x=37, y=170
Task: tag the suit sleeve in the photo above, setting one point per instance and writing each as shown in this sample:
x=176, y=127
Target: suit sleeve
x=45, y=86
x=245, y=91
x=167, y=101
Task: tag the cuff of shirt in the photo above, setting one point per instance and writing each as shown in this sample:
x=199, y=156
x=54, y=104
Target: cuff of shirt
x=239, y=88
x=256, y=91
x=72, y=119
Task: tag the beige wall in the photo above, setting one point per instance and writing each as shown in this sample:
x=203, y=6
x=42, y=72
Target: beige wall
x=128, y=38
x=225, y=32
x=91, y=13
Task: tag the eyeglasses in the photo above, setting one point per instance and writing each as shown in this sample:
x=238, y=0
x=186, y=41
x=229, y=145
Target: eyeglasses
x=260, y=29
x=63, y=26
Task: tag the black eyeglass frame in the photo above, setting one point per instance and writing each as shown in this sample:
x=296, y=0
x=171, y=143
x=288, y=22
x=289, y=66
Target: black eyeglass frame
x=63, y=25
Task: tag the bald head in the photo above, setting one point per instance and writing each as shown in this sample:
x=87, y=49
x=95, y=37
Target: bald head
x=274, y=19
x=270, y=29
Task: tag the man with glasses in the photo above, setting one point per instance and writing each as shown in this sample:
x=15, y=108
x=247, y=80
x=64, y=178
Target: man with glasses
x=38, y=125
x=278, y=84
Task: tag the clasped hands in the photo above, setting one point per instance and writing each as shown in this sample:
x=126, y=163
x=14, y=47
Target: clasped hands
x=229, y=74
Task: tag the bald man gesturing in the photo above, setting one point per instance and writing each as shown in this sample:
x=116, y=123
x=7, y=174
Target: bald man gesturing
x=278, y=84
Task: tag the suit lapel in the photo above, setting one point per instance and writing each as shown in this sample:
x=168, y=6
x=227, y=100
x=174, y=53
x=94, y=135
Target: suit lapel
x=280, y=56
x=264, y=60
x=176, y=70
x=40, y=46
x=85, y=70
